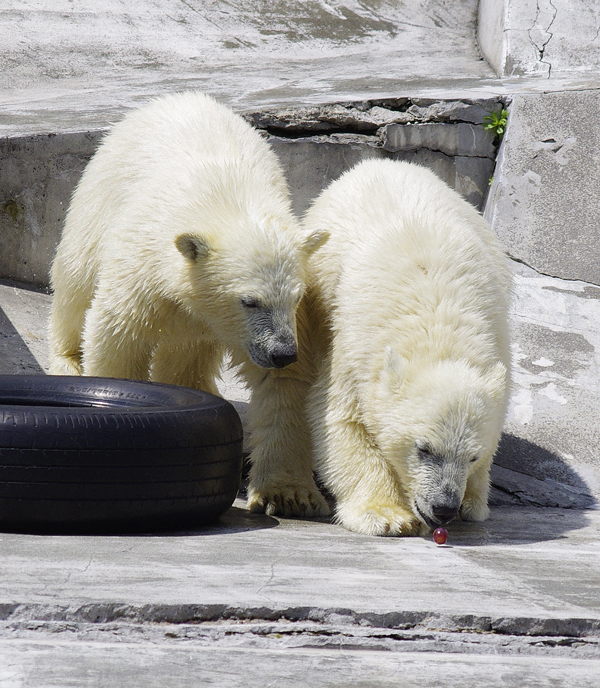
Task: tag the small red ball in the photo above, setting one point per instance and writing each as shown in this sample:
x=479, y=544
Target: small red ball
x=440, y=535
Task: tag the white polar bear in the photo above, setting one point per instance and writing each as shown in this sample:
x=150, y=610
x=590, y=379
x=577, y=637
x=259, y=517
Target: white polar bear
x=179, y=245
x=411, y=397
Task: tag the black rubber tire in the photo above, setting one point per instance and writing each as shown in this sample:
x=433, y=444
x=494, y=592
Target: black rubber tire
x=91, y=455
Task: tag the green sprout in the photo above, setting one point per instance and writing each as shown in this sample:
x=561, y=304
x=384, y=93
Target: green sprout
x=496, y=122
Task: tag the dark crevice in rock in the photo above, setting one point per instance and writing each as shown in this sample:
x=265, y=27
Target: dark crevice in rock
x=293, y=134
x=317, y=621
x=370, y=116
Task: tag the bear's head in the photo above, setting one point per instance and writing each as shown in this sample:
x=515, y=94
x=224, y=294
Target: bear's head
x=246, y=289
x=441, y=424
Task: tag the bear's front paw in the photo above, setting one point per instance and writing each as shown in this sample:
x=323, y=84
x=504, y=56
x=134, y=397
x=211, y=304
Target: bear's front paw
x=379, y=519
x=473, y=509
x=303, y=501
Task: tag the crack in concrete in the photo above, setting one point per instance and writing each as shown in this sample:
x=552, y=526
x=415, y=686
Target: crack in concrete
x=374, y=140
x=541, y=49
x=522, y=261
x=271, y=578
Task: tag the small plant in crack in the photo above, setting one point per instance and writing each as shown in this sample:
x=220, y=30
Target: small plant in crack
x=496, y=122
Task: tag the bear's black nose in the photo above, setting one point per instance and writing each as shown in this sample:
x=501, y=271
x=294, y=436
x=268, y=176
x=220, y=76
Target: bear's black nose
x=444, y=514
x=282, y=360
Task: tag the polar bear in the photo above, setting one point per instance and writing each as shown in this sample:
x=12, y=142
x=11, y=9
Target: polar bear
x=180, y=245
x=408, y=407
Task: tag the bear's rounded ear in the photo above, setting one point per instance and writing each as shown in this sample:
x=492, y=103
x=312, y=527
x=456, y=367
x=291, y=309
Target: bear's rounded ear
x=192, y=246
x=315, y=240
x=392, y=376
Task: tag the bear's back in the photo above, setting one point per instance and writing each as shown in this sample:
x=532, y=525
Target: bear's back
x=166, y=141
x=153, y=164
x=409, y=262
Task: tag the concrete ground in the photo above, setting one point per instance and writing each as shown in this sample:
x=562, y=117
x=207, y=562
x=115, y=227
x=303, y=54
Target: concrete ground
x=261, y=601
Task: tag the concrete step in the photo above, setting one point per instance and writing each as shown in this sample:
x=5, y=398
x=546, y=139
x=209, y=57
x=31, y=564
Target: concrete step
x=258, y=601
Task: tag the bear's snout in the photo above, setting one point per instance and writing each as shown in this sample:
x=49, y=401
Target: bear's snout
x=444, y=513
x=439, y=512
x=283, y=348
x=283, y=359
x=284, y=356
x=275, y=354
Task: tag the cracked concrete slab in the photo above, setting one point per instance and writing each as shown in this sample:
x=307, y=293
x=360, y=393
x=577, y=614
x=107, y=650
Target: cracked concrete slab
x=73, y=68
x=515, y=574
x=554, y=404
x=284, y=633
x=66, y=67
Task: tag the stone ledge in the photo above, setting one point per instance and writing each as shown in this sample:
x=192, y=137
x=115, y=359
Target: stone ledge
x=315, y=144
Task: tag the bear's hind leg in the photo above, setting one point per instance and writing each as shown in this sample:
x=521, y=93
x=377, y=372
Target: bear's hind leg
x=191, y=364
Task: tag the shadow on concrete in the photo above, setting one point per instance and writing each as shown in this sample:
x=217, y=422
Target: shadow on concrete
x=15, y=356
x=518, y=525
x=528, y=474
x=235, y=520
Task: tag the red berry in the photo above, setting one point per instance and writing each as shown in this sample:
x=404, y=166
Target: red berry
x=440, y=535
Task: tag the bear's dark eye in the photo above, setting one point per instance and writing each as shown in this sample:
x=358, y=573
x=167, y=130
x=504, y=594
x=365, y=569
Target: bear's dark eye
x=249, y=302
x=424, y=449
x=475, y=458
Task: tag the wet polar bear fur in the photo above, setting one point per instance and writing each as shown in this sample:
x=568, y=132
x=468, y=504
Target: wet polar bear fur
x=179, y=245
x=409, y=404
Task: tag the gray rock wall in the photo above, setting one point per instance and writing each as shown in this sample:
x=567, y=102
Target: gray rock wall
x=37, y=177
x=38, y=174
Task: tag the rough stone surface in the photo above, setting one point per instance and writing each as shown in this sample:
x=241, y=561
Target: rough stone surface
x=450, y=139
x=283, y=601
x=524, y=572
x=371, y=115
x=312, y=163
x=544, y=203
x=260, y=601
x=68, y=67
x=37, y=177
x=556, y=395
